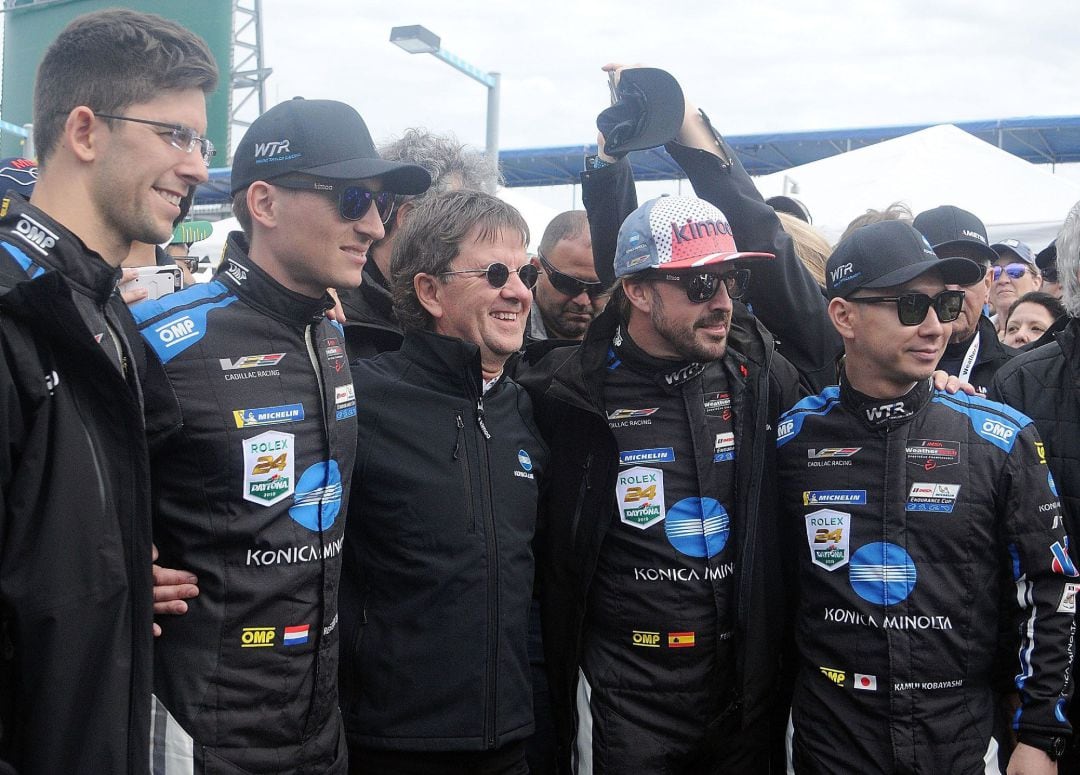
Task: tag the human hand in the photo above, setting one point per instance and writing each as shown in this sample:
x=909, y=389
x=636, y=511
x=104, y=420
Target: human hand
x=134, y=295
x=951, y=385
x=1028, y=760
x=337, y=312
x=171, y=589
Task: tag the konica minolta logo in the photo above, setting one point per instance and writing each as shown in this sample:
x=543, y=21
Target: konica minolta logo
x=658, y=455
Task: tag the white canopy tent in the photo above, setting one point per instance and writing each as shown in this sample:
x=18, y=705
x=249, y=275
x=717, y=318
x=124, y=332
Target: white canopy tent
x=935, y=166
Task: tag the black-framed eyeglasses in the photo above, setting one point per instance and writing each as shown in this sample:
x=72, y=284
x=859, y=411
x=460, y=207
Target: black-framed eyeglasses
x=702, y=286
x=1015, y=271
x=911, y=308
x=498, y=273
x=568, y=285
x=181, y=137
x=353, y=200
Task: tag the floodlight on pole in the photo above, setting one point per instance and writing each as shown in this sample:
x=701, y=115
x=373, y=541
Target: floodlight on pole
x=417, y=39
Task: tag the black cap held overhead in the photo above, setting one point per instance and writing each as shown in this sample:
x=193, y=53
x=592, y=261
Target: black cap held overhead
x=890, y=253
x=648, y=113
x=324, y=138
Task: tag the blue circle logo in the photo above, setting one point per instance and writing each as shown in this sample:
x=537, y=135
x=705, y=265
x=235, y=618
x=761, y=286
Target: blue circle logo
x=882, y=573
x=524, y=460
x=698, y=527
x=1052, y=483
x=318, y=496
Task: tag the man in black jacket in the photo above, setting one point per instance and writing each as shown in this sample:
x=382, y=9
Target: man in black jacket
x=119, y=107
x=1044, y=384
x=438, y=568
x=252, y=437
x=974, y=353
x=657, y=548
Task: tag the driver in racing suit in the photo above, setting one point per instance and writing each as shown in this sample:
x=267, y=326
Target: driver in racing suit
x=911, y=510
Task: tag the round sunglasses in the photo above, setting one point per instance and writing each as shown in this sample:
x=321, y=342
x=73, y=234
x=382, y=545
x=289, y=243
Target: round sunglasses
x=568, y=285
x=702, y=286
x=911, y=308
x=498, y=273
x=353, y=200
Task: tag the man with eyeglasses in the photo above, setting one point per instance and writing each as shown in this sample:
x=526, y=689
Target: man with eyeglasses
x=914, y=514
x=656, y=551
x=76, y=601
x=974, y=353
x=252, y=437
x=438, y=568
x=568, y=295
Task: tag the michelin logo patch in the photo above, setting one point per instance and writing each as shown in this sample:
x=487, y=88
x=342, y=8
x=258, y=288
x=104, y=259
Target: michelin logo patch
x=825, y=497
x=828, y=533
x=658, y=455
x=925, y=496
x=268, y=415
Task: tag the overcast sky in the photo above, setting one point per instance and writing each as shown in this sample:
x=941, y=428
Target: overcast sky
x=754, y=67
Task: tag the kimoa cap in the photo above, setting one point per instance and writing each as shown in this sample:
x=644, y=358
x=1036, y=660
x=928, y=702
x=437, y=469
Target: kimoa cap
x=324, y=138
x=947, y=228
x=890, y=253
x=648, y=113
x=675, y=232
x=1014, y=248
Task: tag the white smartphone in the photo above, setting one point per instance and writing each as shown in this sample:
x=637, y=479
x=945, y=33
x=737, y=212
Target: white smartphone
x=158, y=280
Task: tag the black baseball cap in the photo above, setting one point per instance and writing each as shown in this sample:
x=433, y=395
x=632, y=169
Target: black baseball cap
x=1047, y=256
x=890, y=253
x=790, y=205
x=648, y=113
x=947, y=228
x=325, y=138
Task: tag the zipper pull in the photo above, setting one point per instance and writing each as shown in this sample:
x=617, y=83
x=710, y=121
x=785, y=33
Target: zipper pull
x=457, y=444
x=480, y=417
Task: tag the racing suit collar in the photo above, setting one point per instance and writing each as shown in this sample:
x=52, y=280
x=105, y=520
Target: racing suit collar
x=46, y=242
x=665, y=372
x=882, y=413
x=263, y=292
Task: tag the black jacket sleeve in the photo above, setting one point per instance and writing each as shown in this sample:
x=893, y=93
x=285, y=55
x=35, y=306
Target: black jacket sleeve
x=609, y=196
x=783, y=294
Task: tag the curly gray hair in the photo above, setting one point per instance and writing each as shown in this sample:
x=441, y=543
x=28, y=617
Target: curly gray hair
x=1068, y=260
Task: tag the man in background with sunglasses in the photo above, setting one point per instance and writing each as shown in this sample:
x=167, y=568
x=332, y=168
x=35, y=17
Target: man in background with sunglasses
x=568, y=295
x=251, y=481
x=914, y=514
x=438, y=569
x=974, y=353
x=658, y=561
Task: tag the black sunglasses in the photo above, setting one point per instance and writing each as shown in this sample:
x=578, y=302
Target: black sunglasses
x=498, y=274
x=353, y=201
x=702, y=286
x=568, y=285
x=911, y=308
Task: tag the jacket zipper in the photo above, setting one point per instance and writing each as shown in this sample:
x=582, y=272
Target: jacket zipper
x=585, y=487
x=467, y=470
x=309, y=342
x=492, y=548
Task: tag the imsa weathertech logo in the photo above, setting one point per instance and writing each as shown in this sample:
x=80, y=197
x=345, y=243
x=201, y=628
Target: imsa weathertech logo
x=933, y=453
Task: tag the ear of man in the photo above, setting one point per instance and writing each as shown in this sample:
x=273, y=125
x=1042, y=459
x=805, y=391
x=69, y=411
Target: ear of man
x=427, y=289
